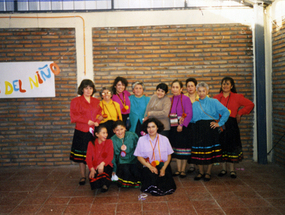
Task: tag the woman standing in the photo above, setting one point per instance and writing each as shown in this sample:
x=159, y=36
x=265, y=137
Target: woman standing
x=230, y=138
x=111, y=111
x=154, y=153
x=121, y=96
x=124, y=161
x=99, y=160
x=138, y=102
x=84, y=112
x=206, y=148
x=180, y=116
x=193, y=96
x=159, y=106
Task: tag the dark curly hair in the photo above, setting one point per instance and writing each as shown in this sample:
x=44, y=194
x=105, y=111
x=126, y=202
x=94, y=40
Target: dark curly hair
x=162, y=86
x=227, y=78
x=192, y=80
x=86, y=83
x=97, y=130
x=118, y=79
x=159, y=124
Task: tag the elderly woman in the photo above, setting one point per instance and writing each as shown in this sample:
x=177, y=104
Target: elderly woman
x=138, y=103
x=154, y=153
x=85, y=112
x=121, y=96
x=230, y=138
x=159, y=106
x=111, y=111
x=206, y=148
x=180, y=116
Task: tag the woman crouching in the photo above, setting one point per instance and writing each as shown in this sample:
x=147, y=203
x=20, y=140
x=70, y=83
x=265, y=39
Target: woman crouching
x=154, y=153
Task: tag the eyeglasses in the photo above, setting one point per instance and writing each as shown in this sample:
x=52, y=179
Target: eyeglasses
x=107, y=93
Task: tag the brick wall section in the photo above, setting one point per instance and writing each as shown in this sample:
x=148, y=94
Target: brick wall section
x=37, y=131
x=157, y=54
x=278, y=84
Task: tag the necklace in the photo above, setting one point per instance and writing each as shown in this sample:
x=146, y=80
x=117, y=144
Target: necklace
x=106, y=115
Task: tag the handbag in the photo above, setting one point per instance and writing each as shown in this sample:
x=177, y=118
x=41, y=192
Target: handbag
x=221, y=128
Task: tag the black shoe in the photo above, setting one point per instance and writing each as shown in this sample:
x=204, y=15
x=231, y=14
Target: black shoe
x=222, y=173
x=104, y=189
x=177, y=173
x=199, y=176
x=82, y=181
x=233, y=174
x=182, y=174
x=207, y=179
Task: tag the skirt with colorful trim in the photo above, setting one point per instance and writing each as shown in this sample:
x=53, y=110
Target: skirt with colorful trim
x=102, y=179
x=231, y=143
x=206, y=148
x=180, y=142
x=155, y=185
x=79, y=146
x=129, y=175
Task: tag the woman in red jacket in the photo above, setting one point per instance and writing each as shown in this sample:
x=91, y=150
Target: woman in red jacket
x=99, y=158
x=85, y=112
x=230, y=137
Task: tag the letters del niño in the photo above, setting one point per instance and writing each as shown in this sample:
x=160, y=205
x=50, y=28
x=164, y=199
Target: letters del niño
x=40, y=77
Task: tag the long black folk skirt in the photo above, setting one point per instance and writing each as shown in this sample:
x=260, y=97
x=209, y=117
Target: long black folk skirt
x=129, y=175
x=155, y=185
x=231, y=143
x=102, y=179
x=206, y=148
x=79, y=146
x=180, y=142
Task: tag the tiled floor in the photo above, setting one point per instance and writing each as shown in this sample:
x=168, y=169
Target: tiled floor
x=259, y=189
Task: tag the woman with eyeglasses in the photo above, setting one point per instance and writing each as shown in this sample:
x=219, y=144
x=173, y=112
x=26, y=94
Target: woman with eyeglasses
x=111, y=111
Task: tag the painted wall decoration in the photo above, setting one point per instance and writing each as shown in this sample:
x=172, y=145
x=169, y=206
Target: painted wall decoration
x=28, y=79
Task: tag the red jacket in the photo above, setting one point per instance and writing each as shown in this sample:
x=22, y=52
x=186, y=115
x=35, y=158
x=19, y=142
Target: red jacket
x=99, y=153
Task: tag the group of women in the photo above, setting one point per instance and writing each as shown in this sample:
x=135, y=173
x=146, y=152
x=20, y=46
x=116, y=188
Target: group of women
x=133, y=137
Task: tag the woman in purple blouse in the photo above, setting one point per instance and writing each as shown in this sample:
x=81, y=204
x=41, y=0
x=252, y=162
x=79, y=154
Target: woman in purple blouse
x=154, y=153
x=180, y=116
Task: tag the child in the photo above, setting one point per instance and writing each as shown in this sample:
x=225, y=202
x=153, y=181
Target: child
x=124, y=162
x=99, y=160
x=138, y=104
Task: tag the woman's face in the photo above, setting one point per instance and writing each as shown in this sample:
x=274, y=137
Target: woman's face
x=120, y=87
x=120, y=131
x=202, y=92
x=160, y=93
x=88, y=91
x=102, y=135
x=191, y=88
x=226, y=86
x=138, y=90
x=152, y=129
x=106, y=95
x=176, y=89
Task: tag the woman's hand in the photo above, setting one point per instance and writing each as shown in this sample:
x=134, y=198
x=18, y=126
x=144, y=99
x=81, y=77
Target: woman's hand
x=92, y=173
x=96, y=124
x=238, y=117
x=90, y=123
x=162, y=172
x=100, y=168
x=113, y=173
x=181, y=120
x=144, y=119
x=179, y=128
x=153, y=169
x=214, y=125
